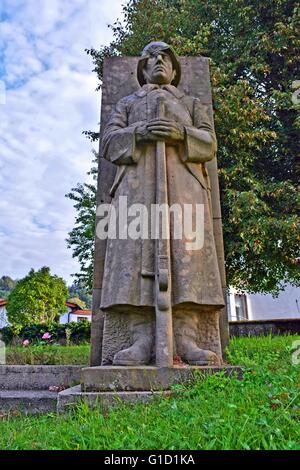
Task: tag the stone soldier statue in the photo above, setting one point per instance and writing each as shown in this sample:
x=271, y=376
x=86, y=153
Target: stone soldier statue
x=129, y=141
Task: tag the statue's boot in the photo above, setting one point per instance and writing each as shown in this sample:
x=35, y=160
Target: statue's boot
x=186, y=329
x=140, y=351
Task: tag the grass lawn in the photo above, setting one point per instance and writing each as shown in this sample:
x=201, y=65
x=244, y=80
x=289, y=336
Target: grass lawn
x=260, y=412
x=48, y=354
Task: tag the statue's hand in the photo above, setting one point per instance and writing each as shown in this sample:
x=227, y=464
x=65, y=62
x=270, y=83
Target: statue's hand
x=169, y=131
x=143, y=134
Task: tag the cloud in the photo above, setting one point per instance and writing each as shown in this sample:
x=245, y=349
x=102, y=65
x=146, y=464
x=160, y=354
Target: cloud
x=50, y=100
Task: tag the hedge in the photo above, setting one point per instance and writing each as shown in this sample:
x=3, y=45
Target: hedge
x=77, y=332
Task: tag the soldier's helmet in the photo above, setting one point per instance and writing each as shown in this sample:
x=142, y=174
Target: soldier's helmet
x=154, y=48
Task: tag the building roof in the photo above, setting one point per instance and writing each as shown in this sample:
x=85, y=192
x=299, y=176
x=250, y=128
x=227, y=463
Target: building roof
x=72, y=305
x=82, y=312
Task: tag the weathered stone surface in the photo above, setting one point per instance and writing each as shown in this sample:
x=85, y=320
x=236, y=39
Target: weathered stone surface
x=41, y=377
x=28, y=401
x=105, y=400
x=114, y=378
x=204, y=330
x=119, y=81
x=118, y=334
x=96, y=327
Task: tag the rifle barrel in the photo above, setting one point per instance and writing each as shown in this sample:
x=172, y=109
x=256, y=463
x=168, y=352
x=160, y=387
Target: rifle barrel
x=163, y=305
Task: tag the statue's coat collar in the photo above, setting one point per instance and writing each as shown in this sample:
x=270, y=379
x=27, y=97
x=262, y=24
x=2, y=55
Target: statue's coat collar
x=151, y=86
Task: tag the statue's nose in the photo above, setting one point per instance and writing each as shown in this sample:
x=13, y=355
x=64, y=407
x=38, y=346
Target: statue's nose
x=159, y=58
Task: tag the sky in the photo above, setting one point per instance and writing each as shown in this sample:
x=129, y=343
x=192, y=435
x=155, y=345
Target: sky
x=47, y=98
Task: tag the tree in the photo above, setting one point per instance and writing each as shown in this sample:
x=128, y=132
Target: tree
x=77, y=301
x=7, y=284
x=81, y=237
x=253, y=50
x=37, y=298
x=79, y=290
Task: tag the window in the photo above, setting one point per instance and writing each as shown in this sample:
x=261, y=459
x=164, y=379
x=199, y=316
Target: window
x=80, y=319
x=241, y=312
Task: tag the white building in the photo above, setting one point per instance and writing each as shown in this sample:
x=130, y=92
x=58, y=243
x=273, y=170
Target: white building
x=75, y=314
x=264, y=306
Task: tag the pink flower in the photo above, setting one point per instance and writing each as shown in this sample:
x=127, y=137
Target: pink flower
x=46, y=336
x=26, y=342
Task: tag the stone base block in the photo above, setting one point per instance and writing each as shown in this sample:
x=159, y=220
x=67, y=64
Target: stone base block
x=27, y=401
x=38, y=377
x=68, y=398
x=149, y=378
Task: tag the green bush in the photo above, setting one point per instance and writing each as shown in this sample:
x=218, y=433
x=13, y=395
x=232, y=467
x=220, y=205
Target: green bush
x=79, y=332
x=6, y=334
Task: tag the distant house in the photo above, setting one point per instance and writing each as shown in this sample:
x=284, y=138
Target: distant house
x=74, y=314
x=264, y=306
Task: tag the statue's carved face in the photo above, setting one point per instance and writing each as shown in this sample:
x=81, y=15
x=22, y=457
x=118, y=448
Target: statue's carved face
x=159, y=69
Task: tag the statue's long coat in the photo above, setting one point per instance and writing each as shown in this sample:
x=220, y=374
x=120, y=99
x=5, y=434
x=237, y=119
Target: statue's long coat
x=129, y=263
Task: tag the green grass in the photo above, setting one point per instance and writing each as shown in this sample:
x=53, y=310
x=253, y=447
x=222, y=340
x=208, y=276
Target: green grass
x=260, y=412
x=48, y=354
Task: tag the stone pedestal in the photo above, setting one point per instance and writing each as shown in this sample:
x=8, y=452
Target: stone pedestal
x=106, y=386
x=145, y=378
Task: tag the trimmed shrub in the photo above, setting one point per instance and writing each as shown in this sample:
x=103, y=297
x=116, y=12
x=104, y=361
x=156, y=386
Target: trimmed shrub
x=80, y=332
